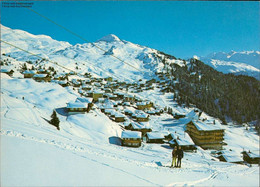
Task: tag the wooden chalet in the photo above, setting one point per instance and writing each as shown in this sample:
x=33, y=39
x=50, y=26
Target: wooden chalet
x=154, y=137
x=251, y=157
x=43, y=71
x=86, y=87
x=144, y=105
x=63, y=83
x=109, y=79
x=183, y=140
x=143, y=127
x=29, y=73
x=42, y=77
x=231, y=157
x=77, y=108
x=119, y=117
x=142, y=117
x=96, y=94
x=7, y=71
x=131, y=138
x=205, y=135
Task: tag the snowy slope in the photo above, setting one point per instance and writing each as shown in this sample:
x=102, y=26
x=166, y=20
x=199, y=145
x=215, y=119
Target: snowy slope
x=245, y=63
x=83, y=152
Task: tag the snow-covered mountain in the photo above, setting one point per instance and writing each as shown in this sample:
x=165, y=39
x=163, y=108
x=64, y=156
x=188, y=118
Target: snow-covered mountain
x=245, y=63
x=144, y=61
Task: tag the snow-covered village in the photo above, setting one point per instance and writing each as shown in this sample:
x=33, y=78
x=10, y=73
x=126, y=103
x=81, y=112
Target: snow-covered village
x=115, y=113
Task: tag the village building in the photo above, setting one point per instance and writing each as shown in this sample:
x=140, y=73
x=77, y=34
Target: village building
x=205, y=135
x=231, y=157
x=251, y=157
x=144, y=105
x=184, y=141
x=105, y=106
x=42, y=77
x=109, y=79
x=154, y=137
x=143, y=127
x=142, y=117
x=43, y=71
x=77, y=108
x=7, y=71
x=29, y=73
x=63, y=83
x=96, y=94
x=86, y=87
x=75, y=83
x=131, y=138
x=119, y=117
x=59, y=77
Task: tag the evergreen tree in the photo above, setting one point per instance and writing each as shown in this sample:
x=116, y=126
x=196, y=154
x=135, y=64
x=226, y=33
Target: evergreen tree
x=55, y=120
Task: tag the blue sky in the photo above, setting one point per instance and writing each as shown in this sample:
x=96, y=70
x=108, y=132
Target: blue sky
x=180, y=28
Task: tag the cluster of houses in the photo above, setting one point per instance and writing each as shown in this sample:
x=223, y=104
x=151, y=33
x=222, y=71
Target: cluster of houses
x=133, y=113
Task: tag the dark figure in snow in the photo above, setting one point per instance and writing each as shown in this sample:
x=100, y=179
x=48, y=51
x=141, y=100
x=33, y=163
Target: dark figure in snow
x=179, y=156
x=174, y=156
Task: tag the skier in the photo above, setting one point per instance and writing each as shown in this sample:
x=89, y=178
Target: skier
x=179, y=156
x=174, y=156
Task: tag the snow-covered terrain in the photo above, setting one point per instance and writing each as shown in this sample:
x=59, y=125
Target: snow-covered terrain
x=245, y=63
x=86, y=151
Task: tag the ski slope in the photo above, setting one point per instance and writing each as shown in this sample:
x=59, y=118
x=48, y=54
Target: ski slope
x=85, y=151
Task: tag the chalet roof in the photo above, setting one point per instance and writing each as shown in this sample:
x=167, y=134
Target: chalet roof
x=253, y=154
x=62, y=82
x=232, y=156
x=119, y=115
x=205, y=127
x=98, y=92
x=29, y=72
x=192, y=115
x=155, y=135
x=84, y=99
x=5, y=70
x=142, y=103
x=184, y=139
x=141, y=125
x=77, y=105
x=142, y=115
x=131, y=134
x=40, y=75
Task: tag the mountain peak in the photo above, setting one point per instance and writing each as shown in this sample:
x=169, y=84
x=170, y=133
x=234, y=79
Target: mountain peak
x=109, y=38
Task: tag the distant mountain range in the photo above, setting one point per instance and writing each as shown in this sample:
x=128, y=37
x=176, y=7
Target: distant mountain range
x=245, y=63
x=87, y=57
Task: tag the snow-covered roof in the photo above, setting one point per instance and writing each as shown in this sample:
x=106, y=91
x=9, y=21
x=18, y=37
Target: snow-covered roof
x=142, y=115
x=184, y=139
x=29, y=72
x=84, y=99
x=62, y=82
x=40, y=75
x=5, y=70
x=205, y=127
x=142, y=103
x=254, y=154
x=77, y=105
x=155, y=135
x=119, y=115
x=192, y=115
x=131, y=134
x=232, y=156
